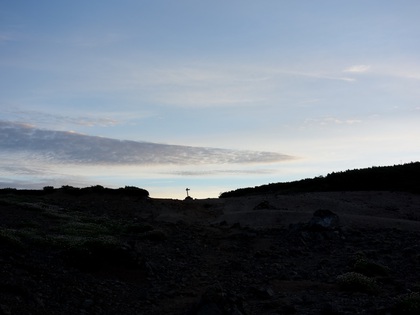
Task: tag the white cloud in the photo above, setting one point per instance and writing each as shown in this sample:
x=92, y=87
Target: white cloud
x=332, y=120
x=358, y=69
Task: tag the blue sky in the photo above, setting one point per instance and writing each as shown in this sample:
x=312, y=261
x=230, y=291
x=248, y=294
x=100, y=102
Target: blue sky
x=210, y=95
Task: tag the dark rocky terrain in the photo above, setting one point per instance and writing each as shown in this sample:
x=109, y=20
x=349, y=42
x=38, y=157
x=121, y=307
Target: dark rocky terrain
x=300, y=253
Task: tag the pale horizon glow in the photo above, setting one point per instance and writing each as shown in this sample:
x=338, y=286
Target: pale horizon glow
x=212, y=96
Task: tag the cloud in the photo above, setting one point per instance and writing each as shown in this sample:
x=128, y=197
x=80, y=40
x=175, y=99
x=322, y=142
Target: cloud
x=318, y=75
x=55, y=119
x=357, y=69
x=227, y=85
x=193, y=84
x=224, y=172
x=333, y=120
x=4, y=38
x=210, y=97
x=97, y=40
x=209, y=86
x=60, y=147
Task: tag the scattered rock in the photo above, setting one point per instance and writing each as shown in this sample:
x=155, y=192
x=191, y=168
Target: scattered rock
x=324, y=225
x=155, y=235
x=216, y=301
x=236, y=225
x=265, y=205
x=329, y=309
x=370, y=268
x=262, y=293
x=5, y=310
x=324, y=219
x=288, y=309
x=95, y=256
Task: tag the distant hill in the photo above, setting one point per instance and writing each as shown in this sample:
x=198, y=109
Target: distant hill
x=405, y=177
x=75, y=191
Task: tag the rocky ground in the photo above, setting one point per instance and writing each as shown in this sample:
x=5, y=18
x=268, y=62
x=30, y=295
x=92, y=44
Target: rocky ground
x=309, y=253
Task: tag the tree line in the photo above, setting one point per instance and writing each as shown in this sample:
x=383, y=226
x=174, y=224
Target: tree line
x=404, y=177
x=97, y=189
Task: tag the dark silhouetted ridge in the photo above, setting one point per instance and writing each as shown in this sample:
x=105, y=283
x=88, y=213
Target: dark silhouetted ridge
x=405, y=177
x=75, y=191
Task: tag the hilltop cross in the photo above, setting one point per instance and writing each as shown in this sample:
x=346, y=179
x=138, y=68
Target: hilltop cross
x=187, y=191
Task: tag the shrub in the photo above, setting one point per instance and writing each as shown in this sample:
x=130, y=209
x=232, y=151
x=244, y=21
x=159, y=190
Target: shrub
x=74, y=191
x=94, y=189
x=407, y=304
x=135, y=191
x=155, y=235
x=356, y=282
x=8, y=237
x=84, y=229
x=369, y=268
x=135, y=228
x=93, y=254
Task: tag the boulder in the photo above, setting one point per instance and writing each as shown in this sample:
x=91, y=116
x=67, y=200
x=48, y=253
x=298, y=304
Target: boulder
x=324, y=220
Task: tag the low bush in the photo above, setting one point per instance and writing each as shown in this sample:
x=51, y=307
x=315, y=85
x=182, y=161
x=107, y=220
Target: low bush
x=9, y=237
x=135, y=228
x=357, y=282
x=94, y=254
x=407, y=304
x=84, y=229
x=155, y=235
x=369, y=268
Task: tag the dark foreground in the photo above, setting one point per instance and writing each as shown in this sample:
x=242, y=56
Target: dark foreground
x=93, y=254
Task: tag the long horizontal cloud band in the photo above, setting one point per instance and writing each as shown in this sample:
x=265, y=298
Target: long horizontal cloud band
x=67, y=147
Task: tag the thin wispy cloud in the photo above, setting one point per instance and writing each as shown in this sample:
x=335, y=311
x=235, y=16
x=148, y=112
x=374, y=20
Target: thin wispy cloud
x=5, y=38
x=203, y=85
x=404, y=72
x=358, y=69
x=197, y=84
x=211, y=172
x=332, y=121
x=211, y=97
x=57, y=119
x=318, y=75
x=102, y=40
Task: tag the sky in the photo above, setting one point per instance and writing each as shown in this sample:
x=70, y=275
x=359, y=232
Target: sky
x=208, y=95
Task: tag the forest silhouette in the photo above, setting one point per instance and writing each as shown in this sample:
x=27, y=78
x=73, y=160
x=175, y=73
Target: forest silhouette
x=404, y=177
